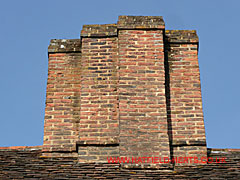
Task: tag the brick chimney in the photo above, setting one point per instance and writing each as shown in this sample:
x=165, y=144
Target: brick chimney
x=130, y=89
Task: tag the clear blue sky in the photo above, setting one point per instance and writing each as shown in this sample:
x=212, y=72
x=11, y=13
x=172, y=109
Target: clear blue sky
x=27, y=27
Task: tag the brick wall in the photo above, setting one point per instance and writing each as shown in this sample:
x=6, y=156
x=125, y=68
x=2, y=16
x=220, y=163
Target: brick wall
x=125, y=89
x=63, y=96
x=142, y=102
x=99, y=122
x=184, y=101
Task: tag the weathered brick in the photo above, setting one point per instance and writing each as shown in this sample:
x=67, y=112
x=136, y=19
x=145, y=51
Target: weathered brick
x=130, y=82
